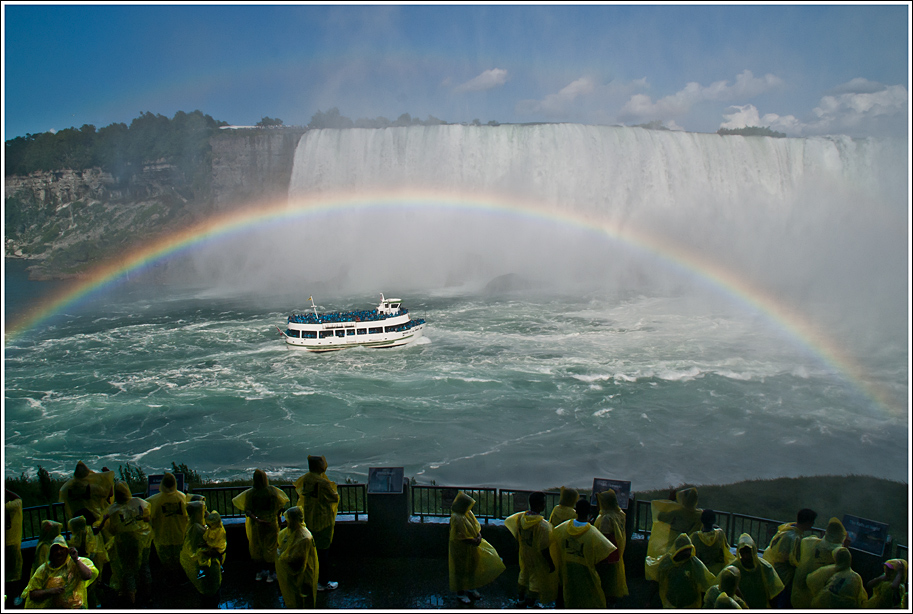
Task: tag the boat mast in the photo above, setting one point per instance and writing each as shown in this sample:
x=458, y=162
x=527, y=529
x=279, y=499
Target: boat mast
x=314, y=307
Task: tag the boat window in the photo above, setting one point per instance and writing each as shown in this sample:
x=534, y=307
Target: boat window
x=326, y=333
x=309, y=334
x=362, y=331
x=340, y=333
x=390, y=329
x=350, y=331
x=293, y=333
x=375, y=330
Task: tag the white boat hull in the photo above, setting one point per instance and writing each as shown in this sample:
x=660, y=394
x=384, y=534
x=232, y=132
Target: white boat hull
x=377, y=341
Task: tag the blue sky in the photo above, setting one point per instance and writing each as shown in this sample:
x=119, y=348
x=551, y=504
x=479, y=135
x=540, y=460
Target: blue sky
x=800, y=69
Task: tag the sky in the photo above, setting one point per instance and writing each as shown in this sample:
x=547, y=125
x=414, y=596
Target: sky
x=799, y=69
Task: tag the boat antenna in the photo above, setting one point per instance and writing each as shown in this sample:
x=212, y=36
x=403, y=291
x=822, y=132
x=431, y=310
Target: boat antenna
x=314, y=307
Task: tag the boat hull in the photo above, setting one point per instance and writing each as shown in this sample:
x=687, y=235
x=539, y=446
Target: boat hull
x=379, y=341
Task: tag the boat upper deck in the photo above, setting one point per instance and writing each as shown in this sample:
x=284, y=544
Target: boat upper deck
x=372, y=315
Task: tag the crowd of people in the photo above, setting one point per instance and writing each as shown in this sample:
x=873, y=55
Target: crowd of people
x=574, y=559
x=112, y=534
x=372, y=315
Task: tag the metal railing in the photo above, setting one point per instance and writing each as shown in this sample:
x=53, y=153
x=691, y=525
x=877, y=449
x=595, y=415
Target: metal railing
x=436, y=501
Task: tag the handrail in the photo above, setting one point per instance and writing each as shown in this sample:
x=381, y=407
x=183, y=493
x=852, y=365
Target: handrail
x=435, y=501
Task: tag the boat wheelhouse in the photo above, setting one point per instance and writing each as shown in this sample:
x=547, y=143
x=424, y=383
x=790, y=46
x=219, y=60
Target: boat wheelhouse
x=387, y=326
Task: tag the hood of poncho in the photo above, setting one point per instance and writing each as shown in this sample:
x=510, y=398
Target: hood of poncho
x=462, y=503
x=568, y=497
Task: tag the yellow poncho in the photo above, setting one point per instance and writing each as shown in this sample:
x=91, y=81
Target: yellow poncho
x=168, y=511
x=836, y=586
x=815, y=553
x=263, y=502
x=565, y=509
x=87, y=490
x=682, y=581
x=783, y=551
x=883, y=592
x=712, y=549
x=215, y=535
x=66, y=576
x=533, y=534
x=760, y=582
x=203, y=570
x=670, y=519
x=13, y=551
x=318, y=499
x=470, y=565
x=297, y=567
x=726, y=591
x=611, y=523
x=50, y=531
x=129, y=535
x=579, y=549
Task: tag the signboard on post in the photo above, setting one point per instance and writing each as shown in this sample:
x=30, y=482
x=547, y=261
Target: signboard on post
x=622, y=490
x=385, y=480
x=866, y=535
x=155, y=481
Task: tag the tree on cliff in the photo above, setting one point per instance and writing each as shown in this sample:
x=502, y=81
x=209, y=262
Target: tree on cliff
x=268, y=122
x=330, y=119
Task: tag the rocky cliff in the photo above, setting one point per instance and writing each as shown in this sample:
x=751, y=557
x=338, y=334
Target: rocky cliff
x=66, y=221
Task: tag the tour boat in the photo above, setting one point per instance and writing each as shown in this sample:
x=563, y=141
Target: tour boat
x=387, y=326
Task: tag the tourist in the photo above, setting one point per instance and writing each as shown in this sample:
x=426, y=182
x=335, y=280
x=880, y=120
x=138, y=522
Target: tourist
x=87, y=491
x=261, y=505
x=472, y=561
x=12, y=554
x=611, y=523
x=564, y=511
x=837, y=586
x=889, y=588
x=725, y=594
x=318, y=499
x=815, y=553
x=682, y=578
x=90, y=546
x=670, y=519
x=297, y=566
x=168, y=513
x=49, y=531
x=201, y=562
x=538, y=578
x=581, y=547
x=61, y=582
x=710, y=544
x=129, y=534
x=783, y=551
x=215, y=536
x=759, y=582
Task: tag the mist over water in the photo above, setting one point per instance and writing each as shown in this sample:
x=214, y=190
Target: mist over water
x=555, y=352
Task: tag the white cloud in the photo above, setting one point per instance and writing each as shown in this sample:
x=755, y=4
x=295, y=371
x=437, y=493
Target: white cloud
x=494, y=77
x=641, y=107
x=858, y=108
x=558, y=104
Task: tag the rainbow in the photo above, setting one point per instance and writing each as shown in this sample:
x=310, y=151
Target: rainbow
x=259, y=215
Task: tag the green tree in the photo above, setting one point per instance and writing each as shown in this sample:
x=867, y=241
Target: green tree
x=268, y=122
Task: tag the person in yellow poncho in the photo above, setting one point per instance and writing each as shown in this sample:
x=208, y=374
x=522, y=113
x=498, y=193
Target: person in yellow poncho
x=837, y=586
x=538, y=574
x=168, y=511
x=318, y=499
x=61, y=582
x=710, y=544
x=565, y=509
x=670, y=519
x=580, y=548
x=12, y=555
x=49, y=531
x=261, y=505
x=297, y=566
x=215, y=535
x=682, y=578
x=889, y=588
x=87, y=491
x=783, y=552
x=815, y=553
x=760, y=583
x=90, y=546
x=611, y=523
x=200, y=561
x=728, y=579
x=129, y=539
x=472, y=562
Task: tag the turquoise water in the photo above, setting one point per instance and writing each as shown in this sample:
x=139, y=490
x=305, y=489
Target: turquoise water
x=529, y=391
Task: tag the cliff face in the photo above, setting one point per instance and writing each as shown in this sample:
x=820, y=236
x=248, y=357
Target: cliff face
x=65, y=221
